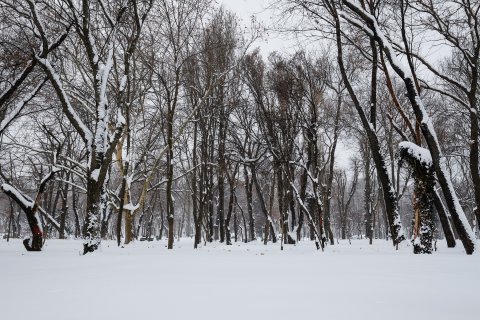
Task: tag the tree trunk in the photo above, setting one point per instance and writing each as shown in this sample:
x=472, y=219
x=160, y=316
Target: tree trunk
x=442, y=215
x=169, y=192
x=91, y=229
x=368, y=196
x=249, y=193
x=222, y=136
x=263, y=205
x=474, y=156
x=64, y=213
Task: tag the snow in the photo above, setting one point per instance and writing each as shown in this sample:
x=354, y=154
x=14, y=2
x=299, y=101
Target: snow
x=95, y=173
x=120, y=119
x=131, y=207
x=123, y=83
x=421, y=154
x=356, y=22
x=48, y=176
x=144, y=280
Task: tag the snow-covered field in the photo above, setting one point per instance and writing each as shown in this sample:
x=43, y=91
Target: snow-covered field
x=243, y=281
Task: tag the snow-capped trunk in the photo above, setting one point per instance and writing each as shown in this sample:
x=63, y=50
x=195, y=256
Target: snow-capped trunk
x=421, y=162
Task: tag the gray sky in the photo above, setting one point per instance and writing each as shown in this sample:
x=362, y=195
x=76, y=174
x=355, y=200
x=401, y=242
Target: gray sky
x=245, y=9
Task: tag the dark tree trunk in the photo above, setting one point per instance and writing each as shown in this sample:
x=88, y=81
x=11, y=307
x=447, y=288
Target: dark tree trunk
x=91, y=227
x=249, y=193
x=169, y=192
x=222, y=136
x=444, y=221
x=235, y=225
x=303, y=194
x=78, y=228
x=11, y=219
x=231, y=204
x=263, y=205
x=64, y=213
x=474, y=156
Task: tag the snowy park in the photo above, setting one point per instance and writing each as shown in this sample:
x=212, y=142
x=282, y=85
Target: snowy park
x=239, y=159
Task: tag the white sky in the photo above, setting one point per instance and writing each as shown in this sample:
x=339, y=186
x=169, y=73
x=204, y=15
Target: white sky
x=271, y=41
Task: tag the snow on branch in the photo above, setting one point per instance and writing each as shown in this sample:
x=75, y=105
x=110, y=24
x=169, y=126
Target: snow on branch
x=11, y=88
x=19, y=107
x=359, y=24
x=70, y=112
x=20, y=198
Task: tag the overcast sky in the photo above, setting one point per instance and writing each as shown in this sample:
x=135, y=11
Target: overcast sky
x=245, y=9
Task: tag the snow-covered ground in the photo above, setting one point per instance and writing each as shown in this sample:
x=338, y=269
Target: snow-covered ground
x=243, y=281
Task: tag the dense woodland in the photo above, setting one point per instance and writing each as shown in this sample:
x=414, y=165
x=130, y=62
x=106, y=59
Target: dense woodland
x=138, y=120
